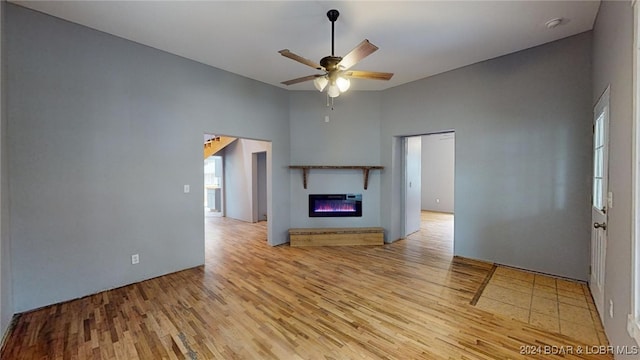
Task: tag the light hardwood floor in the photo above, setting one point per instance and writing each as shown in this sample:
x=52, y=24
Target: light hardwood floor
x=406, y=300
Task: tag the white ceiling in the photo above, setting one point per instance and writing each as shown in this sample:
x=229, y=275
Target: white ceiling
x=417, y=39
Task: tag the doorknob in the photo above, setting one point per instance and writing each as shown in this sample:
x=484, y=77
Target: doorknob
x=600, y=225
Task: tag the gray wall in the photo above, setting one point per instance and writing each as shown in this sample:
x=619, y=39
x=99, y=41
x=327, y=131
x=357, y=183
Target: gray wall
x=104, y=134
x=351, y=137
x=438, y=162
x=6, y=291
x=613, y=64
x=523, y=154
x=238, y=174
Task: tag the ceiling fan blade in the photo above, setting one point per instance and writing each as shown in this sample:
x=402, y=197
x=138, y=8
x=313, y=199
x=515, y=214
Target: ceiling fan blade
x=299, y=80
x=368, y=75
x=300, y=59
x=364, y=49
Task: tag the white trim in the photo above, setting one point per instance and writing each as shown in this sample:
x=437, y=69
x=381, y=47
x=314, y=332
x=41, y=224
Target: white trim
x=633, y=323
x=633, y=328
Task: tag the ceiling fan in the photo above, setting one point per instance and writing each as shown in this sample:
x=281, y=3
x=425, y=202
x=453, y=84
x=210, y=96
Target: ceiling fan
x=336, y=69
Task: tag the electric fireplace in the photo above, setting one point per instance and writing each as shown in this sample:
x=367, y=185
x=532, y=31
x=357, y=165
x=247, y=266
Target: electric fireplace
x=335, y=205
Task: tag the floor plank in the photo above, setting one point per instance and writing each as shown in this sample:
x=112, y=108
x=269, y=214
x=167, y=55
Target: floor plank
x=406, y=300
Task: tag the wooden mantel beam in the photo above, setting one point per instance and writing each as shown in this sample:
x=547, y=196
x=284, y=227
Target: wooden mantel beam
x=365, y=171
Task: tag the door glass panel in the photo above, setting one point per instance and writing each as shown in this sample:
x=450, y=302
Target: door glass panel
x=597, y=193
x=598, y=162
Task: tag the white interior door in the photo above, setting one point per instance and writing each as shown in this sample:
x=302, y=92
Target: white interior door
x=601, y=200
x=412, y=186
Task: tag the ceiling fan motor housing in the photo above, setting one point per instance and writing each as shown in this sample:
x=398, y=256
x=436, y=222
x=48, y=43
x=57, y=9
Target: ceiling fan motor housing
x=330, y=62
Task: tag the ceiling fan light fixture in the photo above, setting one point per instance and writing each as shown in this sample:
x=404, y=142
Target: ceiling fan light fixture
x=335, y=78
x=343, y=83
x=320, y=83
x=333, y=91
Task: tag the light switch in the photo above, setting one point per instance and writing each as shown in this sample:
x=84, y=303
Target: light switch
x=186, y=189
x=610, y=199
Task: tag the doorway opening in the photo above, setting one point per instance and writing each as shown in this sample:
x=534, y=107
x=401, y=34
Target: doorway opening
x=429, y=185
x=213, y=186
x=259, y=166
x=236, y=180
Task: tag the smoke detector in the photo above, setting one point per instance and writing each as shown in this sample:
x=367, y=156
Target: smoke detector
x=554, y=22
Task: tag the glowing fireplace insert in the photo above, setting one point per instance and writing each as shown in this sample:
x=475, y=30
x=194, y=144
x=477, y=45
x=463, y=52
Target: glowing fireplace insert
x=335, y=205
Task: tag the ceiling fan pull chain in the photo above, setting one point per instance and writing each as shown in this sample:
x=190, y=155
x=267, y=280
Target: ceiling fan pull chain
x=329, y=101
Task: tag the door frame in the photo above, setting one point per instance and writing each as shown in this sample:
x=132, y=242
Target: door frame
x=402, y=169
x=269, y=164
x=598, y=262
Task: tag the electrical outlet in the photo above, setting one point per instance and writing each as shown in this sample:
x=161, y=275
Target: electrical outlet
x=610, y=308
x=135, y=258
x=186, y=189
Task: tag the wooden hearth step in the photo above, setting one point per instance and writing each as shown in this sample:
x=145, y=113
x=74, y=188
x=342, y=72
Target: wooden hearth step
x=336, y=236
